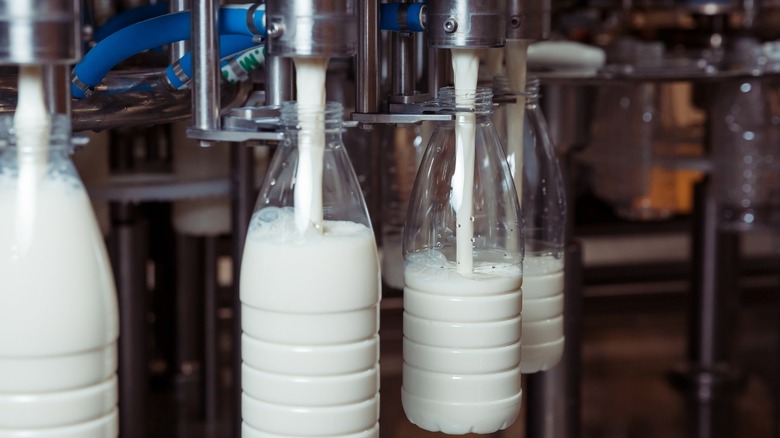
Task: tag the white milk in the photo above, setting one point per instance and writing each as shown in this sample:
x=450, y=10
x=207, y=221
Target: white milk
x=58, y=315
x=311, y=301
x=542, y=313
x=310, y=84
x=465, y=65
x=457, y=329
x=516, y=57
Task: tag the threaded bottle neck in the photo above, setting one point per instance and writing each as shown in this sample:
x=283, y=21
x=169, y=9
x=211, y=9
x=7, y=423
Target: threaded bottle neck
x=531, y=93
x=331, y=119
x=479, y=101
x=59, y=138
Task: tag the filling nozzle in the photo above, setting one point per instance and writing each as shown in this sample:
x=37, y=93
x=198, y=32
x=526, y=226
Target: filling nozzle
x=528, y=19
x=309, y=28
x=466, y=23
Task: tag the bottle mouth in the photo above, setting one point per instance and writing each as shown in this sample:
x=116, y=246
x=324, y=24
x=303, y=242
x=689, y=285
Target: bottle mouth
x=331, y=117
x=478, y=101
x=59, y=132
x=502, y=89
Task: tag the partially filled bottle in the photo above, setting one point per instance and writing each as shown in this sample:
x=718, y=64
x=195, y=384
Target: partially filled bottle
x=58, y=306
x=539, y=183
x=463, y=251
x=310, y=291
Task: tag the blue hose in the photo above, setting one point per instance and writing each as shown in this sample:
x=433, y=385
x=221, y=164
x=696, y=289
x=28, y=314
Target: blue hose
x=151, y=33
x=228, y=45
x=129, y=17
x=402, y=17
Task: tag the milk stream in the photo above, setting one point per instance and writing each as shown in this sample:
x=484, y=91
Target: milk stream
x=465, y=63
x=516, y=57
x=310, y=320
x=543, y=339
x=461, y=370
x=310, y=83
x=32, y=125
x=58, y=315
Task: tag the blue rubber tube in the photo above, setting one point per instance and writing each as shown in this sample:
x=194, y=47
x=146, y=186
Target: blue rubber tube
x=411, y=21
x=130, y=16
x=228, y=45
x=149, y=34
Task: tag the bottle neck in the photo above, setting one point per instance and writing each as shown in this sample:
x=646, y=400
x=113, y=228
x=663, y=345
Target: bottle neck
x=57, y=139
x=479, y=101
x=294, y=118
x=531, y=93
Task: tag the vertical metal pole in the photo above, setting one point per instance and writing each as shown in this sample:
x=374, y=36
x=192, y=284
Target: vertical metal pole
x=56, y=80
x=178, y=49
x=243, y=198
x=440, y=70
x=713, y=377
x=403, y=64
x=205, y=68
x=128, y=257
x=279, y=74
x=210, y=327
x=367, y=59
x=189, y=328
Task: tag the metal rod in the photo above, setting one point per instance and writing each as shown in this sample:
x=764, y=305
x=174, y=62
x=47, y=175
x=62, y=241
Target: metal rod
x=178, y=49
x=440, y=70
x=403, y=64
x=56, y=80
x=211, y=389
x=205, y=68
x=189, y=327
x=367, y=59
x=279, y=76
x=128, y=257
x=242, y=199
x=713, y=377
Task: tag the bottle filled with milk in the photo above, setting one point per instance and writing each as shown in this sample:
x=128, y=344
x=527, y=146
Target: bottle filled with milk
x=463, y=252
x=58, y=306
x=539, y=183
x=310, y=289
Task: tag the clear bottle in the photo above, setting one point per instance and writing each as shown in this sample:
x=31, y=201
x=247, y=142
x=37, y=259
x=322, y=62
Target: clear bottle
x=745, y=134
x=310, y=297
x=58, y=306
x=461, y=327
x=543, y=201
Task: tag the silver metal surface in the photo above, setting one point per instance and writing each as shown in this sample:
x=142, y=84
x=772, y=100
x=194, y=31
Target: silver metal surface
x=178, y=49
x=311, y=28
x=205, y=67
x=279, y=74
x=367, y=60
x=40, y=31
x=439, y=70
x=528, y=19
x=56, y=82
x=401, y=119
x=403, y=64
x=466, y=23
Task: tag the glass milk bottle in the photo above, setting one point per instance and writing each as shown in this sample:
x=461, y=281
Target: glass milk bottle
x=58, y=306
x=463, y=251
x=539, y=184
x=310, y=290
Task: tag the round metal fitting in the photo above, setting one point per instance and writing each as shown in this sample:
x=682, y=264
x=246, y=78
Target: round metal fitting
x=275, y=30
x=515, y=21
x=450, y=25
